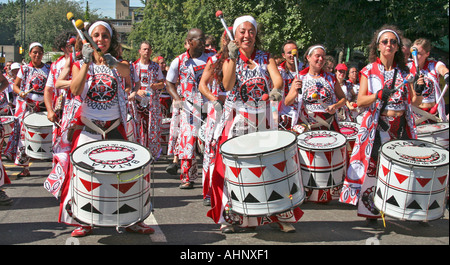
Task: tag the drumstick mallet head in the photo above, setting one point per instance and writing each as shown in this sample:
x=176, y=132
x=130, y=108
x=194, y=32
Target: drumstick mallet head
x=80, y=26
x=294, y=53
x=219, y=14
x=265, y=97
x=415, y=59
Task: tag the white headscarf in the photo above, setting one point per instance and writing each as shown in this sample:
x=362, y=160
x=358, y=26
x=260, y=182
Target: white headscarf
x=243, y=19
x=34, y=44
x=100, y=23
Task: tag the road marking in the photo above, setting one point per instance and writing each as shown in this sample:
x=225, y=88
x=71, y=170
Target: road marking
x=158, y=236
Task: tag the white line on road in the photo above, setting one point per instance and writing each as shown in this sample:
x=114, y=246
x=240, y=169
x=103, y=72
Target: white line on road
x=158, y=236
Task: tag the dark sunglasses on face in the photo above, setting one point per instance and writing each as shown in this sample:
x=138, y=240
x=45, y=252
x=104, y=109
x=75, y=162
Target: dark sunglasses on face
x=392, y=41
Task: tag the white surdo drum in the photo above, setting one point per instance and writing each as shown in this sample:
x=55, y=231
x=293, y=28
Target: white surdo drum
x=436, y=133
x=38, y=136
x=323, y=158
x=111, y=183
x=412, y=180
x=262, y=173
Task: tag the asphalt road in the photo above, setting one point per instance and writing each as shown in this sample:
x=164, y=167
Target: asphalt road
x=179, y=218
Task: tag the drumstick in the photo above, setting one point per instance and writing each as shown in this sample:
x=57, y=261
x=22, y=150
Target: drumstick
x=435, y=107
x=35, y=86
x=219, y=14
x=80, y=25
x=294, y=53
x=71, y=18
x=415, y=59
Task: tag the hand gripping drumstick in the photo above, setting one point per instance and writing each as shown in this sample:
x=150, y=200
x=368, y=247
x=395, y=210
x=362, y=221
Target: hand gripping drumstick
x=416, y=61
x=219, y=14
x=294, y=53
x=35, y=86
x=80, y=26
x=435, y=107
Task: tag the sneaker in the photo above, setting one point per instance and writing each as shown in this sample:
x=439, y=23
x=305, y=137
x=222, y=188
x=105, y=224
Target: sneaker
x=82, y=231
x=25, y=173
x=140, y=228
x=187, y=185
x=206, y=202
x=4, y=199
x=172, y=169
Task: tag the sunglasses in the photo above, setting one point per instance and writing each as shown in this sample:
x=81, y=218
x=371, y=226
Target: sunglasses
x=392, y=41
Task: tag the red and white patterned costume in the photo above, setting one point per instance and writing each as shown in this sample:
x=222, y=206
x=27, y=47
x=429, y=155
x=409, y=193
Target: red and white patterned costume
x=65, y=118
x=432, y=92
x=188, y=71
x=149, y=117
x=358, y=187
x=34, y=102
x=287, y=114
x=241, y=114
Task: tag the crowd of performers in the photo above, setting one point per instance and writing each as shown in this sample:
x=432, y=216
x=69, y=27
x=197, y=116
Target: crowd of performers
x=221, y=94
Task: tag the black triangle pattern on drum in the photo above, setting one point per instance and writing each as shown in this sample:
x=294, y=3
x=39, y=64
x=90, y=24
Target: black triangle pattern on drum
x=233, y=196
x=311, y=181
x=29, y=148
x=251, y=199
x=330, y=181
x=294, y=188
x=89, y=208
x=414, y=205
x=434, y=205
x=392, y=201
x=40, y=150
x=125, y=209
x=275, y=196
x=379, y=193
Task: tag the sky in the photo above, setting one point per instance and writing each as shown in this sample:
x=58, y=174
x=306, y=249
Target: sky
x=104, y=7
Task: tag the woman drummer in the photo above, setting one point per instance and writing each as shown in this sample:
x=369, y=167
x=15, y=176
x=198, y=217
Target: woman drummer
x=318, y=100
x=29, y=86
x=248, y=74
x=388, y=117
x=102, y=115
x=427, y=83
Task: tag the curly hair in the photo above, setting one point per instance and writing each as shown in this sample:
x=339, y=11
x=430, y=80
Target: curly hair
x=399, y=57
x=62, y=39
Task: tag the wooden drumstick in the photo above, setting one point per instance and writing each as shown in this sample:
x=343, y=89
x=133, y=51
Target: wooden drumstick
x=35, y=86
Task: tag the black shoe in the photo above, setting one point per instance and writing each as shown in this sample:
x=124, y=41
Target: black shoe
x=206, y=202
x=172, y=169
x=4, y=199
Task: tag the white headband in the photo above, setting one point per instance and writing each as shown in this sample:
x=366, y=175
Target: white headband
x=100, y=23
x=34, y=44
x=387, y=30
x=315, y=47
x=243, y=19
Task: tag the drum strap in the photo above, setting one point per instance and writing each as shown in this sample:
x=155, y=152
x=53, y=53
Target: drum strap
x=91, y=125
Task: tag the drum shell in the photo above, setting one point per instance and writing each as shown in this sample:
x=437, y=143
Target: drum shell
x=8, y=126
x=325, y=167
x=119, y=195
x=131, y=132
x=411, y=192
x=435, y=133
x=38, y=138
x=266, y=183
x=165, y=134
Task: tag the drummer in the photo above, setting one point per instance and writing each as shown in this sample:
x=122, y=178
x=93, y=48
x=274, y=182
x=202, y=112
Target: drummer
x=96, y=80
x=428, y=83
x=321, y=96
x=246, y=67
x=29, y=85
x=378, y=93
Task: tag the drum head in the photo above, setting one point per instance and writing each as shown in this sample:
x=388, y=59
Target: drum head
x=111, y=156
x=258, y=143
x=349, y=129
x=321, y=140
x=415, y=153
x=38, y=119
x=430, y=128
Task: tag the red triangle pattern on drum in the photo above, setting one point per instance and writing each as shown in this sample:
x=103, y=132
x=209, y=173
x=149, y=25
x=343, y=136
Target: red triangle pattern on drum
x=43, y=135
x=423, y=181
x=90, y=185
x=281, y=166
x=147, y=178
x=257, y=171
x=310, y=155
x=385, y=170
x=124, y=187
x=31, y=134
x=400, y=177
x=442, y=179
x=236, y=171
x=329, y=156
